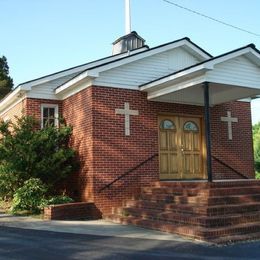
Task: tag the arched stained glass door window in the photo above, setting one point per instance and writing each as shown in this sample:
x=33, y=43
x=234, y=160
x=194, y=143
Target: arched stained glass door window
x=167, y=124
x=190, y=126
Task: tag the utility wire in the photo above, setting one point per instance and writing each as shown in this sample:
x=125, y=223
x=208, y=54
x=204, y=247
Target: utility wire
x=211, y=18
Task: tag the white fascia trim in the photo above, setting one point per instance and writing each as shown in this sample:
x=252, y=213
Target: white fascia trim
x=13, y=96
x=246, y=100
x=72, y=91
x=177, y=87
x=87, y=74
x=203, y=67
x=233, y=55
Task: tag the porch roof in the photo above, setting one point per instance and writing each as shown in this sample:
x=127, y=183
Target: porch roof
x=234, y=75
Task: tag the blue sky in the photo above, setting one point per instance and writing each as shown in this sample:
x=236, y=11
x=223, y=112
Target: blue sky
x=45, y=36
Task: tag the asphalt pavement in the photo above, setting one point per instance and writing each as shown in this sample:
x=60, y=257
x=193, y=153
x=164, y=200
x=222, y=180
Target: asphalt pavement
x=24, y=238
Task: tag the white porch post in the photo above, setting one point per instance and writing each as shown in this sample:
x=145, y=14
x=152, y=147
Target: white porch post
x=207, y=129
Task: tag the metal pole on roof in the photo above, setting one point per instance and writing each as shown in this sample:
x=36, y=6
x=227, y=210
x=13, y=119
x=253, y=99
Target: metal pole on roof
x=207, y=129
x=127, y=17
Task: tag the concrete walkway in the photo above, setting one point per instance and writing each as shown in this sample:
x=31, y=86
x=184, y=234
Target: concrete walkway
x=89, y=227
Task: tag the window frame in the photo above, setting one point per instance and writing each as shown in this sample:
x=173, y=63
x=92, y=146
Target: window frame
x=56, y=113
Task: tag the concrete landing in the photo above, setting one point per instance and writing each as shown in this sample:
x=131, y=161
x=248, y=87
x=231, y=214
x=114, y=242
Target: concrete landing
x=90, y=227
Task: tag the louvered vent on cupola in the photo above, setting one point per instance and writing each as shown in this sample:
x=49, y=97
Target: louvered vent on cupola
x=128, y=42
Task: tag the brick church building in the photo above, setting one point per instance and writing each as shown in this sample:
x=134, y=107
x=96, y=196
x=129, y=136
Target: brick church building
x=151, y=116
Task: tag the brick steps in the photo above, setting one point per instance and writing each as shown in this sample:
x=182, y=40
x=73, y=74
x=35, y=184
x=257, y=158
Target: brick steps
x=202, y=192
x=199, y=200
x=218, y=212
x=205, y=184
x=217, y=235
x=192, y=219
x=200, y=208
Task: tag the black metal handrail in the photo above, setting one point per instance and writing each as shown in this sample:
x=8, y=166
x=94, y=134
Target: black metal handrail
x=128, y=172
x=229, y=167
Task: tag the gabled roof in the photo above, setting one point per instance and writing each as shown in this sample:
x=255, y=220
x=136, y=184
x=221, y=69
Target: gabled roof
x=93, y=71
x=207, y=64
x=110, y=59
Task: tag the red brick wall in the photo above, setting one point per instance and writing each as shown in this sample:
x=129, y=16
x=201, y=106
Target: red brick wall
x=238, y=153
x=114, y=153
x=77, y=111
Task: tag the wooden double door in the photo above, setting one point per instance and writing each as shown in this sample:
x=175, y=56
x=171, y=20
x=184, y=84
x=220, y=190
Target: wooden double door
x=181, y=148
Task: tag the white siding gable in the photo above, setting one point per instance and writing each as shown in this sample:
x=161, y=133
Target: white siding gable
x=238, y=71
x=46, y=90
x=136, y=73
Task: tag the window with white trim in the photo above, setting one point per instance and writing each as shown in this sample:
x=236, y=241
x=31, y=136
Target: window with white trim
x=49, y=115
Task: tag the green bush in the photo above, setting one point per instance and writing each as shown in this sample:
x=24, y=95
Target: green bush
x=257, y=175
x=29, y=152
x=30, y=196
x=256, y=138
x=59, y=200
x=257, y=165
x=8, y=183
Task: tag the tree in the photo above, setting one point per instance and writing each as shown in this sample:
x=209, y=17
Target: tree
x=28, y=152
x=256, y=138
x=6, y=82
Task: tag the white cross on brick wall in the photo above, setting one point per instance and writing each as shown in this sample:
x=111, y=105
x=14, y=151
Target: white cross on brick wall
x=127, y=112
x=229, y=120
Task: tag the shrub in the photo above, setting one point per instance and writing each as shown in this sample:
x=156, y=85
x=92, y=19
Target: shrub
x=30, y=196
x=62, y=199
x=29, y=152
x=8, y=183
x=257, y=165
